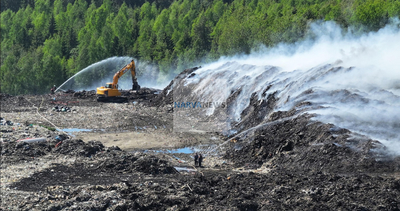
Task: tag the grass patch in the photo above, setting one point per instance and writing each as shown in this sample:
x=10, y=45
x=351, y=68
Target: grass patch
x=48, y=128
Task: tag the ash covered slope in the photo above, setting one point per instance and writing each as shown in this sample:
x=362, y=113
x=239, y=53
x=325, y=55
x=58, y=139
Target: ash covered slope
x=332, y=102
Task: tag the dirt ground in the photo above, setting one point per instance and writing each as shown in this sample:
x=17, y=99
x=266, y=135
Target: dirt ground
x=127, y=125
x=126, y=156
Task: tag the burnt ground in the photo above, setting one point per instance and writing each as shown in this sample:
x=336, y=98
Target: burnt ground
x=284, y=162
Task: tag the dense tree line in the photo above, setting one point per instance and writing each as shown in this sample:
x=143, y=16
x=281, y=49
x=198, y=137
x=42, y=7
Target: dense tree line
x=43, y=42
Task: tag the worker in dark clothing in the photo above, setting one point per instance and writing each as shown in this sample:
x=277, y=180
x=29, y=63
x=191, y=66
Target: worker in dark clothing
x=200, y=159
x=196, y=159
x=53, y=89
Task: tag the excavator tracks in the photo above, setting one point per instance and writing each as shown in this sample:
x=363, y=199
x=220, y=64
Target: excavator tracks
x=112, y=99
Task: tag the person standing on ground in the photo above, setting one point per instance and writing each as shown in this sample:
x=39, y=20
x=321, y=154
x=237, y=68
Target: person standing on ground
x=53, y=89
x=200, y=159
x=196, y=159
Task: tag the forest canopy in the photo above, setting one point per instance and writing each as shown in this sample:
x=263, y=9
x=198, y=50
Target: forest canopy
x=45, y=42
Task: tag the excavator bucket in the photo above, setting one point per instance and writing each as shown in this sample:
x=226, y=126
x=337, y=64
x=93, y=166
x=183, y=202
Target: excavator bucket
x=135, y=86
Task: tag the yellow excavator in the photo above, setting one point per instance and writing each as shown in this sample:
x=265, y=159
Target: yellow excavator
x=110, y=92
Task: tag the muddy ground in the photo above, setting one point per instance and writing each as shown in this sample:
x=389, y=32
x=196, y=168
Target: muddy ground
x=117, y=156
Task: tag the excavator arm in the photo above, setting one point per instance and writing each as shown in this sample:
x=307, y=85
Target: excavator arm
x=131, y=66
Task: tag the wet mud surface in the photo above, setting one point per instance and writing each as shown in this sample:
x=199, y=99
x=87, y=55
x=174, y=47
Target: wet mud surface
x=275, y=161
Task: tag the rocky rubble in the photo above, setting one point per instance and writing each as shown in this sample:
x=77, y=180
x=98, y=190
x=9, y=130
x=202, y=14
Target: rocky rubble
x=100, y=178
x=116, y=180
x=301, y=145
x=166, y=96
x=93, y=168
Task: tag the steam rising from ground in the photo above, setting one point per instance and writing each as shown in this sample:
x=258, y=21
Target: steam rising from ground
x=352, y=81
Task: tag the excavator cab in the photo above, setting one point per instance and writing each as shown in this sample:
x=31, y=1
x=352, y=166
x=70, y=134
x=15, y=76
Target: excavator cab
x=110, y=86
x=108, y=91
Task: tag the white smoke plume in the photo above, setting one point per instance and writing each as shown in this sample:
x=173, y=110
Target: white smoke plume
x=352, y=80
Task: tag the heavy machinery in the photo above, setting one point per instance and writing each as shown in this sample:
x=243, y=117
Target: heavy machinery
x=110, y=92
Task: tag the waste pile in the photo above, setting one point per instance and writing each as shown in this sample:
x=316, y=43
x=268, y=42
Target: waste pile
x=83, y=94
x=5, y=122
x=165, y=97
x=100, y=178
x=302, y=145
x=62, y=109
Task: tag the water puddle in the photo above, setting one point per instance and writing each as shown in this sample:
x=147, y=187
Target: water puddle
x=185, y=150
x=74, y=130
x=70, y=131
x=187, y=169
x=184, y=153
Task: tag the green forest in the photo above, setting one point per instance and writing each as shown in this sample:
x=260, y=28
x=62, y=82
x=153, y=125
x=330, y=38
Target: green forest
x=45, y=42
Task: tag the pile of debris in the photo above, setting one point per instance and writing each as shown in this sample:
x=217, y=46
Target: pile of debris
x=166, y=96
x=84, y=94
x=61, y=109
x=302, y=145
x=108, y=178
x=5, y=122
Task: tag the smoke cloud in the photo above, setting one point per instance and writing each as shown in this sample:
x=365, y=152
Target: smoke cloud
x=352, y=80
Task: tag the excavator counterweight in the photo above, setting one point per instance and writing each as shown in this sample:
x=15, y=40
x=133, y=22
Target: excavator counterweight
x=110, y=92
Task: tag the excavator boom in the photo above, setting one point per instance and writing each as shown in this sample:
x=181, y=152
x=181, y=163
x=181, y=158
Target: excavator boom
x=131, y=66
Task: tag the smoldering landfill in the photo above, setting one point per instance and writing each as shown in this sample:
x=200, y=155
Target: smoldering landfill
x=286, y=161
